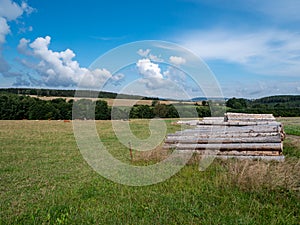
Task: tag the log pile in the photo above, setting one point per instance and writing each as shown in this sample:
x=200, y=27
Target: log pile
x=235, y=134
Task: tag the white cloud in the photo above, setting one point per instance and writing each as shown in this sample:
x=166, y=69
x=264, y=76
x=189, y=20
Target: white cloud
x=117, y=77
x=4, y=30
x=9, y=11
x=149, y=69
x=23, y=47
x=60, y=68
x=146, y=54
x=177, y=60
x=273, y=52
x=170, y=82
x=143, y=53
x=26, y=8
x=152, y=75
x=155, y=58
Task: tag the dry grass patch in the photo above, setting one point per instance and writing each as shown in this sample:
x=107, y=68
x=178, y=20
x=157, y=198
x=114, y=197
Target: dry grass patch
x=258, y=175
x=155, y=155
x=247, y=175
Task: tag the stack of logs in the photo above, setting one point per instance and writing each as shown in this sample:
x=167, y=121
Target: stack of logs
x=235, y=134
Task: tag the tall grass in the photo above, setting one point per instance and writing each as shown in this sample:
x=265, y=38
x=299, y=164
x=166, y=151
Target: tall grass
x=258, y=175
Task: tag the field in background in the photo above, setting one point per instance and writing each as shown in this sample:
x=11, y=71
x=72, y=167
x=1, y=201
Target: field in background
x=118, y=102
x=45, y=180
x=292, y=125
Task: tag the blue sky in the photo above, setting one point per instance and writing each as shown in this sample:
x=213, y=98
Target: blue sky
x=251, y=46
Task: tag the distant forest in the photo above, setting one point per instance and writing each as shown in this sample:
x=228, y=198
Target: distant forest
x=70, y=93
x=282, y=105
x=16, y=104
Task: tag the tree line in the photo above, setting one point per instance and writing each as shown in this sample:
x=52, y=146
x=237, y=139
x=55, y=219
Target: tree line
x=18, y=107
x=71, y=93
x=277, y=105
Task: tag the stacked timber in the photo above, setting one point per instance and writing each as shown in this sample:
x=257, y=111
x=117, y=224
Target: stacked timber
x=235, y=134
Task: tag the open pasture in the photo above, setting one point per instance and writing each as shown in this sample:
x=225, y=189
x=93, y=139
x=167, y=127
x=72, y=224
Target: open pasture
x=45, y=180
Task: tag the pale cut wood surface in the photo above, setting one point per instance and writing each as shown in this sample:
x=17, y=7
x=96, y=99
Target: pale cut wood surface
x=231, y=146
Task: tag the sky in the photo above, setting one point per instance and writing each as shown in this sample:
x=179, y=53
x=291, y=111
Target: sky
x=251, y=47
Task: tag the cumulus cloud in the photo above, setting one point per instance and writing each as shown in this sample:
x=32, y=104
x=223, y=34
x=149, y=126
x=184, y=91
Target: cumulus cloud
x=60, y=68
x=160, y=78
x=9, y=11
x=177, y=60
x=152, y=76
x=162, y=81
x=149, y=69
x=273, y=52
x=23, y=47
x=151, y=73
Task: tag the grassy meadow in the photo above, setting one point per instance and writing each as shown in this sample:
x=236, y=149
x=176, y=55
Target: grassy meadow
x=45, y=180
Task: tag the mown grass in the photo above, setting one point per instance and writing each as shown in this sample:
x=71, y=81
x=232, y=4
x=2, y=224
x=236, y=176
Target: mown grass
x=292, y=141
x=45, y=180
x=291, y=125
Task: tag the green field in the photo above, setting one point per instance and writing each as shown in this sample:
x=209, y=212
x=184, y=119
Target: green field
x=45, y=180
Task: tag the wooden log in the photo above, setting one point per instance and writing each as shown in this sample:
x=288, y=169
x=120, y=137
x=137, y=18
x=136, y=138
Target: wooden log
x=233, y=153
x=269, y=153
x=213, y=119
x=228, y=135
x=267, y=139
x=237, y=123
x=238, y=126
x=236, y=134
x=280, y=158
x=248, y=117
x=232, y=129
x=250, y=120
x=228, y=147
